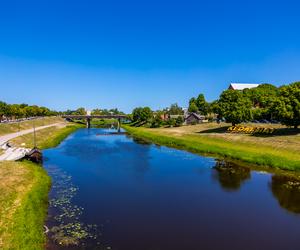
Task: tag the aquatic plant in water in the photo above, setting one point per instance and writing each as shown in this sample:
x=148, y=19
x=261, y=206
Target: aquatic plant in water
x=66, y=228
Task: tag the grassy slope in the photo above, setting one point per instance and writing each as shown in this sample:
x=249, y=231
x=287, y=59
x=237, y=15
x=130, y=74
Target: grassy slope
x=46, y=138
x=24, y=190
x=14, y=127
x=262, y=151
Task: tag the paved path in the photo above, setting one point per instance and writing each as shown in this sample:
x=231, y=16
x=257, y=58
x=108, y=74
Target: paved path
x=13, y=153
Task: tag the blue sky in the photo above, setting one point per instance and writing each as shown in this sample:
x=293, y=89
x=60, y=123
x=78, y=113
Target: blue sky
x=66, y=54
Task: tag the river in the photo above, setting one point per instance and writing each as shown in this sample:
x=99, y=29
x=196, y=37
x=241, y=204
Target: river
x=115, y=192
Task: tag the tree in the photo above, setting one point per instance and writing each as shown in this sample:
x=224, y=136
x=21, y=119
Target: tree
x=234, y=107
x=202, y=104
x=142, y=114
x=31, y=111
x=193, y=107
x=96, y=112
x=175, y=110
x=213, y=107
x=3, y=109
x=80, y=111
x=262, y=98
x=171, y=122
x=156, y=121
x=287, y=105
x=15, y=111
x=179, y=121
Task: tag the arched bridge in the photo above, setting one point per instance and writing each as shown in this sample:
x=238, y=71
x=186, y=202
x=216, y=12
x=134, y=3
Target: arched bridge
x=88, y=118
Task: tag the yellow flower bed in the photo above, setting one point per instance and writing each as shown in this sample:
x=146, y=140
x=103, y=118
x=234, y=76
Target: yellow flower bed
x=250, y=130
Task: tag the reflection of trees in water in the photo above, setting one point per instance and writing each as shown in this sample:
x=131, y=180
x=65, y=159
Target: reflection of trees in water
x=141, y=141
x=286, y=189
x=230, y=175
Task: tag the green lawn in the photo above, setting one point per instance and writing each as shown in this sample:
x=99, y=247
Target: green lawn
x=279, y=152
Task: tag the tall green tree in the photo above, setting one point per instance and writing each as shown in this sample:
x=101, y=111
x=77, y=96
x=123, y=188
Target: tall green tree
x=3, y=109
x=263, y=98
x=234, y=107
x=80, y=111
x=142, y=114
x=175, y=109
x=287, y=106
x=202, y=104
x=193, y=108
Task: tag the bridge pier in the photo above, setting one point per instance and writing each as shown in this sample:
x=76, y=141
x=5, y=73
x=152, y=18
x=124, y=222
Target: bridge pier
x=119, y=124
x=88, y=122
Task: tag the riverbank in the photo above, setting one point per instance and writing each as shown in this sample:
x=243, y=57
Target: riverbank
x=6, y=128
x=47, y=138
x=24, y=188
x=277, y=151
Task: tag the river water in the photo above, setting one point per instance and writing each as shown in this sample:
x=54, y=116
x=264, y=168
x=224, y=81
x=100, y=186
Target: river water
x=114, y=192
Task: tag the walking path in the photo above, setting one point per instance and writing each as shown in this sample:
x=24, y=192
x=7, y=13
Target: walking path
x=14, y=153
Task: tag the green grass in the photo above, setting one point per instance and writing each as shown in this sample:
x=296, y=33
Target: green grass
x=24, y=188
x=46, y=138
x=15, y=127
x=250, y=152
x=103, y=122
x=24, y=201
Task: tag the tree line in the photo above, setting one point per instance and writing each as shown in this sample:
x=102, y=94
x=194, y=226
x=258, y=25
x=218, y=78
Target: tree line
x=144, y=116
x=17, y=111
x=97, y=111
x=266, y=103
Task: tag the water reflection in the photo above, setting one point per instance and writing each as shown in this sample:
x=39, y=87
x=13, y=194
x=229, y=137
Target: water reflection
x=140, y=141
x=116, y=192
x=230, y=176
x=286, y=189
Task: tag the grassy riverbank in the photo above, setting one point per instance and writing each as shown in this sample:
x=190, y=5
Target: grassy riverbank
x=48, y=137
x=278, y=151
x=24, y=188
x=6, y=128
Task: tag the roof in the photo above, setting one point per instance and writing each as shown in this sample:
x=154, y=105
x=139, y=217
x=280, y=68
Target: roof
x=241, y=86
x=199, y=117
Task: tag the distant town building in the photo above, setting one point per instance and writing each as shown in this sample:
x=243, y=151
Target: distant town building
x=175, y=116
x=194, y=118
x=164, y=116
x=241, y=86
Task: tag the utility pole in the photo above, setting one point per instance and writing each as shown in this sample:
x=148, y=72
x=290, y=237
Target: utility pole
x=34, y=135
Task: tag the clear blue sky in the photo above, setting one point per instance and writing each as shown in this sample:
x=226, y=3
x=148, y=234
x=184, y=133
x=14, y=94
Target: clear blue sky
x=66, y=54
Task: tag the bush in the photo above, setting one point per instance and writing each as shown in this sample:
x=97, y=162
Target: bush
x=179, y=121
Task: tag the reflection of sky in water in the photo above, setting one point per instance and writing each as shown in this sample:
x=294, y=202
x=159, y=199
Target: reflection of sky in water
x=149, y=197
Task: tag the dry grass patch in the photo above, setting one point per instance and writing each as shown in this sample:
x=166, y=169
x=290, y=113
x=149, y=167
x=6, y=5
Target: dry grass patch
x=46, y=138
x=15, y=127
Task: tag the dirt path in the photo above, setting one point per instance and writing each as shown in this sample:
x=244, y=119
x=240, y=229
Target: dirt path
x=6, y=138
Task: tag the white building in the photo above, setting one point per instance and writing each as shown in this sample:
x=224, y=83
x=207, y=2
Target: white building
x=241, y=86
